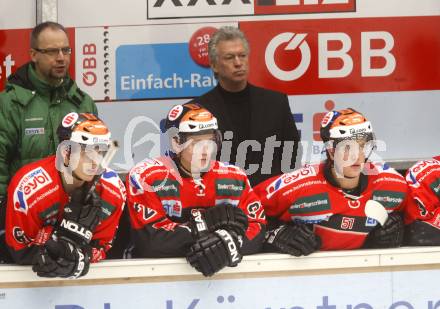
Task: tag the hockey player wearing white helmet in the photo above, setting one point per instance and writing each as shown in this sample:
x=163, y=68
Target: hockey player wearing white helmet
x=337, y=204
x=63, y=211
x=190, y=205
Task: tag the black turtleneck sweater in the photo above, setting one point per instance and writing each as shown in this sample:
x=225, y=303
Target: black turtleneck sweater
x=254, y=114
x=238, y=109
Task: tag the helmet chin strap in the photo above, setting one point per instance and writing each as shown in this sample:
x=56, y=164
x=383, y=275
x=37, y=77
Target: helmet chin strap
x=75, y=175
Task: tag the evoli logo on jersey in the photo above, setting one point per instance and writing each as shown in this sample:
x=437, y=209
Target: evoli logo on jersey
x=289, y=178
x=150, y=71
x=28, y=185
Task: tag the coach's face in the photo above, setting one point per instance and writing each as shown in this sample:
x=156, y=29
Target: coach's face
x=232, y=65
x=52, y=56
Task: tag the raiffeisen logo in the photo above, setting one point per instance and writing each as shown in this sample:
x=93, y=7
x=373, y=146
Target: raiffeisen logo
x=159, y=9
x=268, y=7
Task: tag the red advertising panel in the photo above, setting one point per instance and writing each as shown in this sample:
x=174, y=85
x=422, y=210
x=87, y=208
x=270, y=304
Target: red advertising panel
x=267, y=7
x=14, y=51
x=345, y=55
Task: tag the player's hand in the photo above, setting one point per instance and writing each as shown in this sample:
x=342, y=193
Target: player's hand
x=80, y=219
x=390, y=235
x=214, y=251
x=295, y=239
x=61, y=259
x=218, y=217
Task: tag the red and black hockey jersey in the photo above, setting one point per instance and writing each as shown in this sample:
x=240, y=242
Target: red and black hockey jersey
x=160, y=201
x=339, y=218
x=36, y=200
x=424, y=189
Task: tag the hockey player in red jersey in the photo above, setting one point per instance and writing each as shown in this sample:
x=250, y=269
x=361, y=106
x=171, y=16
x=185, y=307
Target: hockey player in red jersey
x=324, y=206
x=422, y=214
x=63, y=211
x=188, y=204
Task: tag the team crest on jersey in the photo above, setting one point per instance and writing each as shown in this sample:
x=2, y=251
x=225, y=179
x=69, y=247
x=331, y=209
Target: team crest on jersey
x=20, y=236
x=286, y=179
x=29, y=184
x=354, y=203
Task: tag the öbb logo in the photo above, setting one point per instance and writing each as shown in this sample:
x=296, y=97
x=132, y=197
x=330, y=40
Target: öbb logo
x=297, y=41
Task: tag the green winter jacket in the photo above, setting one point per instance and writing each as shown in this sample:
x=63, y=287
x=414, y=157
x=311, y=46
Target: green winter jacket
x=30, y=112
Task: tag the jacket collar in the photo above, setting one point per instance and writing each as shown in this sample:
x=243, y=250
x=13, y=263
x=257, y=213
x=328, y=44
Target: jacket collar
x=26, y=77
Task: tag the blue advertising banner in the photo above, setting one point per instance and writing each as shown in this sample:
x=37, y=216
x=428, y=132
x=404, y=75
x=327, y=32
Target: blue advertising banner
x=159, y=71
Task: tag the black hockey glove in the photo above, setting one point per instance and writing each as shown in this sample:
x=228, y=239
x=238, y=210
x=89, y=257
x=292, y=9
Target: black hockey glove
x=218, y=217
x=295, y=239
x=390, y=235
x=61, y=259
x=214, y=251
x=79, y=220
x=421, y=233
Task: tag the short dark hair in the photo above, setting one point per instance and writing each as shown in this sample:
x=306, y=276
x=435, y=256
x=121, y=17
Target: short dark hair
x=40, y=27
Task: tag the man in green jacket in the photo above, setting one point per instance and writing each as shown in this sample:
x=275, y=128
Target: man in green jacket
x=35, y=100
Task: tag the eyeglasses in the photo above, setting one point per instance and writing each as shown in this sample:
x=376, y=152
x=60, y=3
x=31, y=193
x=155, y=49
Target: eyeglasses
x=54, y=51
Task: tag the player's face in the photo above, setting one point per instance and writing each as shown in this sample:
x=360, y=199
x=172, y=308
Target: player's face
x=51, y=66
x=198, y=152
x=88, y=162
x=350, y=157
x=232, y=65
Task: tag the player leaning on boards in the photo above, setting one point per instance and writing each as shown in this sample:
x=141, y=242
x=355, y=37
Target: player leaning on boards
x=63, y=211
x=328, y=206
x=190, y=205
x=36, y=98
x=422, y=215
